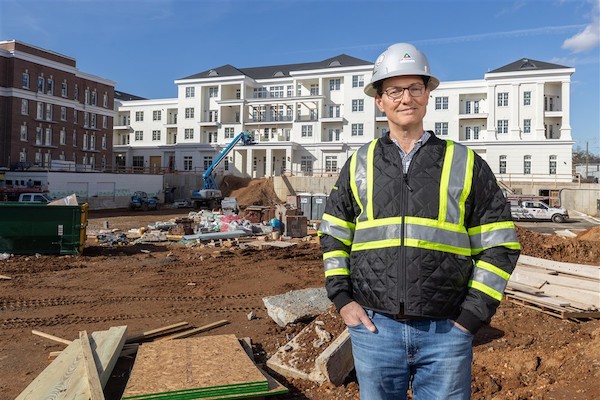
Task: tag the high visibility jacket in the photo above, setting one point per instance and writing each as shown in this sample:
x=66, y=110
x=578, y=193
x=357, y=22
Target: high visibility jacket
x=437, y=242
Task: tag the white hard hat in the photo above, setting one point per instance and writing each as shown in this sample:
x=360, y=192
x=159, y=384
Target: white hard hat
x=400, y=59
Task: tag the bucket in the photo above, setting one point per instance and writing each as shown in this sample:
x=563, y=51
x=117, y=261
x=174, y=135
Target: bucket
x=275, y=235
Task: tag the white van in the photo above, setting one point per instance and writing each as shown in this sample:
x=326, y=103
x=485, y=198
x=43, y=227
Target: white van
x=35, y=198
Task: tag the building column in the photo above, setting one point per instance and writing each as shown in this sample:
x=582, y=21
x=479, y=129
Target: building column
x=515, y=127
x=539, y=130
x=491, y=120
x=288, y=159
x=250, y=163
x=565, y=128
x=269, y=162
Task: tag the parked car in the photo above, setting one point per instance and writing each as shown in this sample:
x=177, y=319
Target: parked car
x=35, y=198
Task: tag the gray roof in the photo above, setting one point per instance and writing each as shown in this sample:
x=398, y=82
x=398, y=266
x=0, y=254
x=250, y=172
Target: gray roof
x=119, y=95
x=275, y=71
x=527, y=64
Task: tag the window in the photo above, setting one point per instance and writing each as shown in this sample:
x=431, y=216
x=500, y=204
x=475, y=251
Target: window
x=23, y=133
x=475, y=133
x=93, y=120
x=441, y=128
x=62, y=138
x=502, y=99
x=502, y=166
x=49, y=112
x=25, y=80
x=188, y=133
x=229, y=133
x=357, y=129
x=155, y=135
x=334, y=84
x=213, y=116
x=40, y=111
x=259, y=93
x=276, y=91
x=212, y=137
x=84, y=145
x=63, y=89
x=306, y=164
x=41, y=83
x=307, y=130
x=137, y=161
x=48, y=137
x=187, y=163
x=139, y=116
x=527, y=164
x=526, y=126
x=476, y=107
x=468, y=133
x=94, y=98
x=105, y=100
x=290, y=91
x=39, y=139
x=358, y=81
x=50, y=86
x=190, y=92
x=441, y=103
x=314, y=89
x=23, y=156
x=552, y=165
x=330, y=163
x=206, y=162
x=104, y=142
x=213, y=92
x=189, y=112
x=63, y=113
x=24, y=107
x=75, y=116
x=526, y=98
x=104, y=121
x=156, y=115
x=502, y=126
x=358, y=105
x=74, y=138
x=334, y=111
x=139, y=135
x=76, y=93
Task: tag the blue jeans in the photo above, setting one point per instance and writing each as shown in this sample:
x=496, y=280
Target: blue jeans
x=433, y=356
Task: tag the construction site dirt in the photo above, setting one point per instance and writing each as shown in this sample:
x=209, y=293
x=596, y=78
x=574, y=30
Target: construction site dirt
x=523, y=353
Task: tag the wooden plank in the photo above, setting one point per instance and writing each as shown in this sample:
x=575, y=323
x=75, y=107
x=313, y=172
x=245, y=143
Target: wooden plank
x=156, y=332
x=523, y=278
x=572, y=294
x=556, y=278
x=5, y=277
x=586, y=271
x=63, y=378
x=51, y=337
x=193, y=331
x=194, y=364
x=523, y=288
x=91, y=370
x=551, y=301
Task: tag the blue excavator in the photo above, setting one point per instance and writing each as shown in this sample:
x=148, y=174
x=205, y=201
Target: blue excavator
x=210, y=196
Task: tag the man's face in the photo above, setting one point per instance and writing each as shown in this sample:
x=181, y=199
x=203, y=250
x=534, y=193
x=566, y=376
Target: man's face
x=407, y=110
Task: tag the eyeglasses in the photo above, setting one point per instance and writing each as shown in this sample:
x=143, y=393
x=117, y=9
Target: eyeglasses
x=396, y=92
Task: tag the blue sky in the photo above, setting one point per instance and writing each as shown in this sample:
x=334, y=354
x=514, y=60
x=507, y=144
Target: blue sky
x=144, y=45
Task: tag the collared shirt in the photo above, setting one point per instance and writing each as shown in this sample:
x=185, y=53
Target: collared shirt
x=407, y=158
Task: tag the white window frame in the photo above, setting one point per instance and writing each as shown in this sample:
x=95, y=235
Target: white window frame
x=358, y=81
x=190, y=92
x=503, y=99
x=358, y=105
x=502, y=126
x=441, y=103
x=357, y=129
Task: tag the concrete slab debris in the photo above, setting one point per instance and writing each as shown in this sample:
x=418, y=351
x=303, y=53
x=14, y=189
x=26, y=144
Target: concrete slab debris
x=296, y=305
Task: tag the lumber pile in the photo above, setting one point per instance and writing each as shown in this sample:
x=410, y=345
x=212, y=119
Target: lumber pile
x=197, y=368
x=564, y=290
x=81, y=370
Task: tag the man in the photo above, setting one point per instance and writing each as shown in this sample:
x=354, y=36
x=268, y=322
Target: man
x=418, y=244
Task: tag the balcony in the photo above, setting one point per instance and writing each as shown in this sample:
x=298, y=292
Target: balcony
x=278, y=120
x=479, y=115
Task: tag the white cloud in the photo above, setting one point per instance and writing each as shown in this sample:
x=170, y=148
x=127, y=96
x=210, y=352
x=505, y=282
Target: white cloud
x=589, y=37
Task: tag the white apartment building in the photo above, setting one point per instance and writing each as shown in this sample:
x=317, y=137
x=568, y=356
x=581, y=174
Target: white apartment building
x=307, y=119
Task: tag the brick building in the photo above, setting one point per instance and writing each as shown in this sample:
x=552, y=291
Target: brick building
x=52, y=115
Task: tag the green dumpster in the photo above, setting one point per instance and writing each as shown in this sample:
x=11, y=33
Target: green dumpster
x=30, y=228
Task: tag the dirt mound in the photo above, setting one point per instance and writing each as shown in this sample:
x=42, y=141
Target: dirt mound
x=580, y=250
x=590, y=234
x=252, y=192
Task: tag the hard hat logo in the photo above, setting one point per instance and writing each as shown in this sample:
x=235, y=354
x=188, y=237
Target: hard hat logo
x=401, y=59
